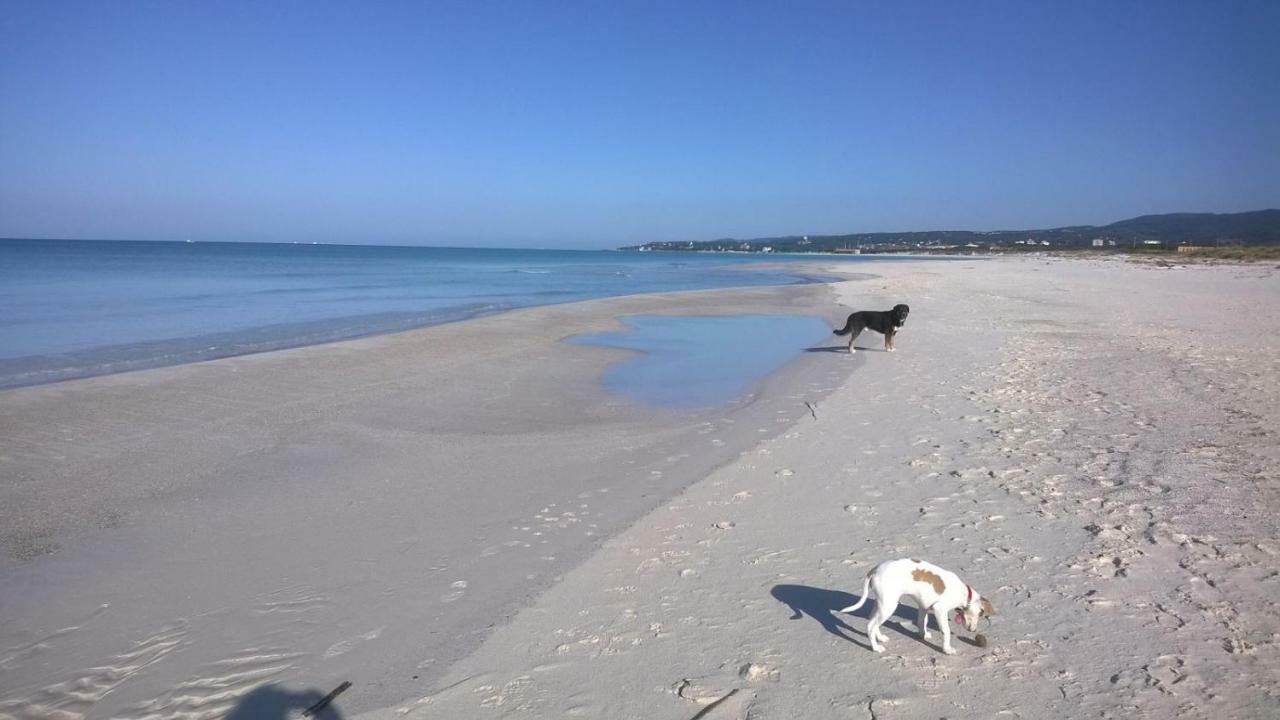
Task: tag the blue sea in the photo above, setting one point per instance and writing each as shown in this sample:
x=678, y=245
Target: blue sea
x=81, y=308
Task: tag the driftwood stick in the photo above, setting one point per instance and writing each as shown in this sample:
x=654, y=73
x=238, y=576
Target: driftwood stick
x=703, y=712
x=323, y=702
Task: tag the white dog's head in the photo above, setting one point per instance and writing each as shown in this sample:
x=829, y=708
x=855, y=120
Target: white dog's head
x=976, y=608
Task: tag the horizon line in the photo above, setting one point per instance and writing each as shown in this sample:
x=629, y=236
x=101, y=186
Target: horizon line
x=183, y=241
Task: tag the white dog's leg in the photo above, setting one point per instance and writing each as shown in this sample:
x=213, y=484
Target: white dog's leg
x=885, y=606
x=877, y=635
x=941, y=617
x=873, y=627
x=922, y=622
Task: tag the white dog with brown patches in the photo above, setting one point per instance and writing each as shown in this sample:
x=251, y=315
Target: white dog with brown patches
x=935, y=591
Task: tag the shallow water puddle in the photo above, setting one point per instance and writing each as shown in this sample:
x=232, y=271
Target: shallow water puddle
x=703, y=360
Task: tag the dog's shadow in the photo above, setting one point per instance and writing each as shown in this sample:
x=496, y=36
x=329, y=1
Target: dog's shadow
x=824, y=606
x=842, y=351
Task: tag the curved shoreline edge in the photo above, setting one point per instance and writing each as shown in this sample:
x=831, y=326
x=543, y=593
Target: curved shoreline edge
x=370, y=504
x=29, y=371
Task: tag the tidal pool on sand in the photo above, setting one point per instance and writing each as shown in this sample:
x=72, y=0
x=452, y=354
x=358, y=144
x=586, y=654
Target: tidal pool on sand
x=699, y=361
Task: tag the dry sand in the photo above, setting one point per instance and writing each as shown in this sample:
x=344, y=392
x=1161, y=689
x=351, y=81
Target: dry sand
x=1089, y=443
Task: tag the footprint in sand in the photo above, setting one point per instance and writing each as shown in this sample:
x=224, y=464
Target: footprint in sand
x=459, y=588
x=755, y=672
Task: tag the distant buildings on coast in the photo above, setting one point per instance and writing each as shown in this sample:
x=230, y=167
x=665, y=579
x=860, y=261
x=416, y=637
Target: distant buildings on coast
x=1028, y=244
x=1148, y=232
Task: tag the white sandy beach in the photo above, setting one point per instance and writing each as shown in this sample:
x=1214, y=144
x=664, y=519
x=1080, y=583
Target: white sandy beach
x=423, y=360
x=1089, y=443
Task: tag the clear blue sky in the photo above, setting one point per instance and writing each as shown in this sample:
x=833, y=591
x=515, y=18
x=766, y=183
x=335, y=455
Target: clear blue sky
x=601, y=123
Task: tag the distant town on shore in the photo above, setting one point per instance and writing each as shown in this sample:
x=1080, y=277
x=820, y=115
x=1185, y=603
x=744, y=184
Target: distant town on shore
x=1188, y=231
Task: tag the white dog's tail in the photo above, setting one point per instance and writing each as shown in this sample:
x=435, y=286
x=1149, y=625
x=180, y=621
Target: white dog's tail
x=866, y=583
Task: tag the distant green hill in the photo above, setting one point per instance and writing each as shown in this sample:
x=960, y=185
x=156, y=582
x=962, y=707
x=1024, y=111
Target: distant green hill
x=1261, y=227
x=1252, y=228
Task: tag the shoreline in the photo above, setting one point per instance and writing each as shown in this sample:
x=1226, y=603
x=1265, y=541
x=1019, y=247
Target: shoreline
x=363, y=504
x=40, y=369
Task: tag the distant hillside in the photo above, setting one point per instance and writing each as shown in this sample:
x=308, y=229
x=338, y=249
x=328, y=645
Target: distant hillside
x=1261, y=227
x=1252, y=228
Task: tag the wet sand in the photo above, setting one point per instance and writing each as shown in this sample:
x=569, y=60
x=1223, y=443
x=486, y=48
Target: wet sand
x=366, y=510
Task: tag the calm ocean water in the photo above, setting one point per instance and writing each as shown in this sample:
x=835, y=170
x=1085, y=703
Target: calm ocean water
x=81, y=308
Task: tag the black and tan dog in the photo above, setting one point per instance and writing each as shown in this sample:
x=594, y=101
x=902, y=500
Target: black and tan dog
x=885, y=322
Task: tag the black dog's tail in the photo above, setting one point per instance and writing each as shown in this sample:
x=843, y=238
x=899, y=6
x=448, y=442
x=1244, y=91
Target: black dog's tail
x=848, y=327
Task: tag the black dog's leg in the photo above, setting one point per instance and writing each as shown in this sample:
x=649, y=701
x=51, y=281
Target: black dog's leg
x=857, y=330
x=888, y=340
